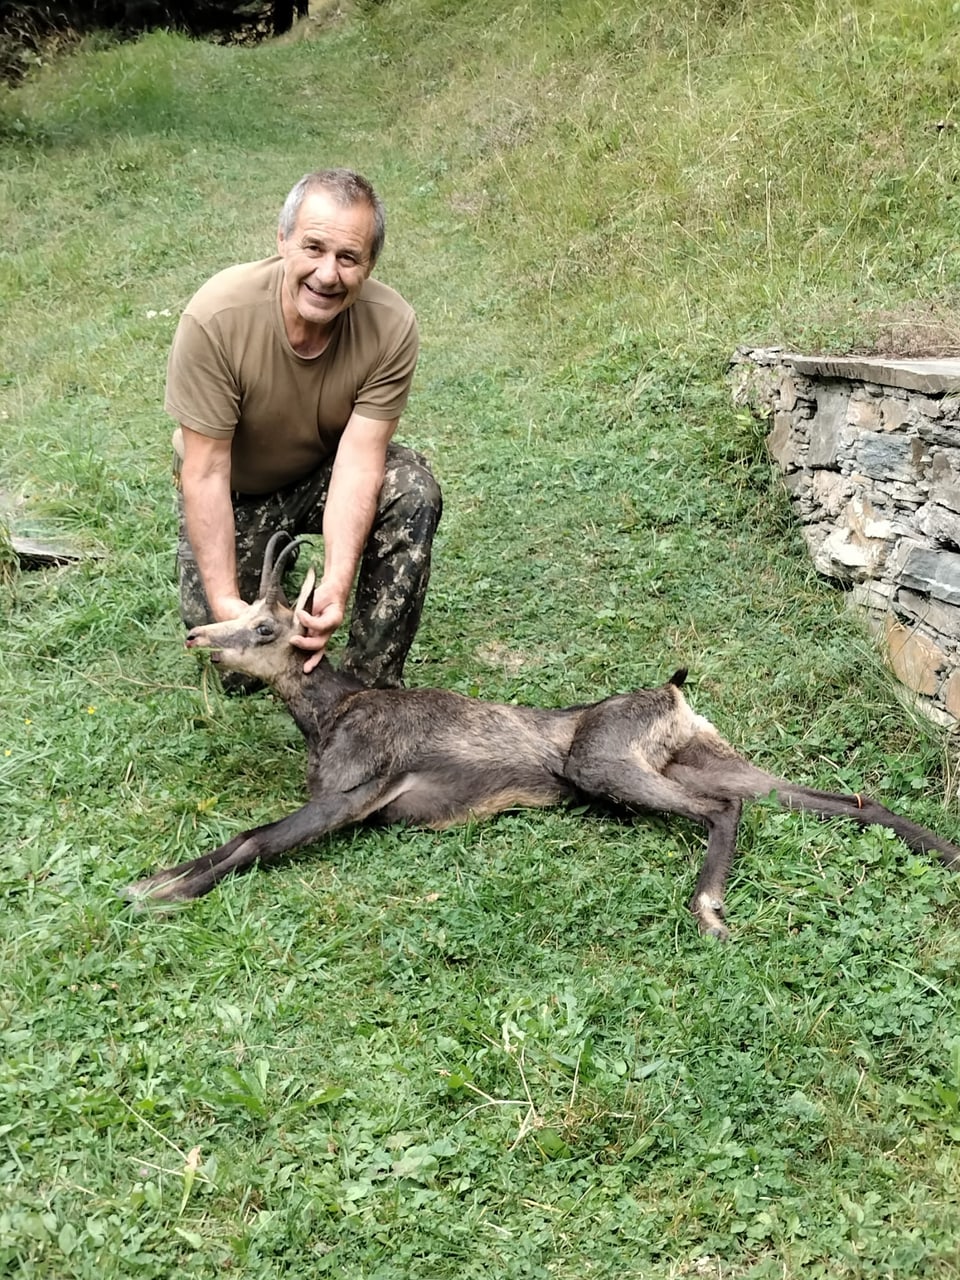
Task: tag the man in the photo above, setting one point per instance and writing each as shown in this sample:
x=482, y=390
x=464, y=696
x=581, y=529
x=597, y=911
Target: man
x=287, y=378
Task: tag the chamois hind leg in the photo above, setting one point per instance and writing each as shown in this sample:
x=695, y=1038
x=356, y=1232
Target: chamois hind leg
x=712, y=768
x=193, y=879
x=708, y=902
x=868, y=813
x=627, y=782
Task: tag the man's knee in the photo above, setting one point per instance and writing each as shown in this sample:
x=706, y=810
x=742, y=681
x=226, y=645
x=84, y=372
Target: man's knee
x=409, y=483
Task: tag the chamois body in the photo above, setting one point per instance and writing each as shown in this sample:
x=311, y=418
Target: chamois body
x=433, y=758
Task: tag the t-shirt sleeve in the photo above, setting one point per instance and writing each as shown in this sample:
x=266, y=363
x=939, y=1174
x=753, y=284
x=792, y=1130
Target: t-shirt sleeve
x=384, y=392
x=202, y=391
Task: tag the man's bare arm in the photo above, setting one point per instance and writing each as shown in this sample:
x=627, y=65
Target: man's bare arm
x=208, y=511
x=355, y=484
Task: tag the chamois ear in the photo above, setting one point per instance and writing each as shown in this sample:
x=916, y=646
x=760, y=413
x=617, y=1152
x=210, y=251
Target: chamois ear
x=306, y=591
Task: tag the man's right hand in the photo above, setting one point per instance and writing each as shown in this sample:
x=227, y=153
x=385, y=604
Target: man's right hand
x=224, y=608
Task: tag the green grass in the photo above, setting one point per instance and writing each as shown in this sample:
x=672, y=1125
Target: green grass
x=500, y=1050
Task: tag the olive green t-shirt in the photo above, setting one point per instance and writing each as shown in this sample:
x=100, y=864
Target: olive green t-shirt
x=232, y=373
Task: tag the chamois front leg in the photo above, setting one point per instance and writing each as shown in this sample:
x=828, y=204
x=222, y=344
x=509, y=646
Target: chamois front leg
x=258, y=845
x=172, y=884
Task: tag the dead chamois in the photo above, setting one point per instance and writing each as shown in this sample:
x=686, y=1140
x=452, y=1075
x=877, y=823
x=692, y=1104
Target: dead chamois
x=434, y=758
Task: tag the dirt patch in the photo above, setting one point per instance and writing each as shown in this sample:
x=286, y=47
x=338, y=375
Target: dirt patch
x=926, y=330
x=499, y=657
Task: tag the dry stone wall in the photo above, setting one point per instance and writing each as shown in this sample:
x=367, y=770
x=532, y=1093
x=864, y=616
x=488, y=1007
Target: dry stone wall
x=869, y=450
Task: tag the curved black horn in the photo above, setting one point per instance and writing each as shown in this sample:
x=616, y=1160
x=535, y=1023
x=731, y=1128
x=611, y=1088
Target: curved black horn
x=274, y=563
x=269, y=557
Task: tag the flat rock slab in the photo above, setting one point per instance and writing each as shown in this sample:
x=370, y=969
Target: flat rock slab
x=40, y=552
x=933, y=377
x=36, y=553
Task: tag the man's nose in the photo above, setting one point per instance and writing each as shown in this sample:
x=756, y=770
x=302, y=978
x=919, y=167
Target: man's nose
x=325, y=268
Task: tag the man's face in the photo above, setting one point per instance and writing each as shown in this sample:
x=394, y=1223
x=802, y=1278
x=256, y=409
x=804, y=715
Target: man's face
x=326, y=259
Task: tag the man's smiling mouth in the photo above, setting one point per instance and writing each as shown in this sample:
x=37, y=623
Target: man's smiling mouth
x=321, y=293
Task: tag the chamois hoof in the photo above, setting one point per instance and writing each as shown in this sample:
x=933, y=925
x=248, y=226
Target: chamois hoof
x=154, y=893
x=709, y=913
x=718, y=931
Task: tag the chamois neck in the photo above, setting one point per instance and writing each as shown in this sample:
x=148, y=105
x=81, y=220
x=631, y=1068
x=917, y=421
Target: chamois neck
x=311, y=698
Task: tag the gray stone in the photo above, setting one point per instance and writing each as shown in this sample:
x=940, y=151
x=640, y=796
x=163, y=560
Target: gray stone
x=797, y=484
x=755, y=378
x=902, y=552
x=815, y=535
x=896, y=412
x=944, y=474
x=944, y=433
x=873, y=595
x=826, y=426
x=935, y=573
x=950, y=695
x=943, y=618
x=37, y=553
x=787, y=392
x=866, y=524
x=763, y=356
x=946, y=495
x=928, y=406
x=830, y=491
x=782, y=443
x=940, y=523
x=863, y=412
x=916, y=657
x=936, y=714
x=846, y=558
x=888, y=457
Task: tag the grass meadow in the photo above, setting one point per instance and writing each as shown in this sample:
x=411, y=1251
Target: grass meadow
x=502, y=1050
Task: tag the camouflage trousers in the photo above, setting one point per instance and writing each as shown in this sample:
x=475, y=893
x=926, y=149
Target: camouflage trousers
x=394, y=568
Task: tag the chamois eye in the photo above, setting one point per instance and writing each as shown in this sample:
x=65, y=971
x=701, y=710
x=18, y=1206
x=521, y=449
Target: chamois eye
x=264, y=629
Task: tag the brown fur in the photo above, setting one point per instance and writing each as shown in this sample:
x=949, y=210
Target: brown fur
x=433, y=758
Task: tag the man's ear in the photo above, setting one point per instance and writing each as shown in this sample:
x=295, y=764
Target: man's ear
x=306, y=591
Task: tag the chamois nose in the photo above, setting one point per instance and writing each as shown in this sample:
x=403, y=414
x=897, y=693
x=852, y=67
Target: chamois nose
x=193, y=638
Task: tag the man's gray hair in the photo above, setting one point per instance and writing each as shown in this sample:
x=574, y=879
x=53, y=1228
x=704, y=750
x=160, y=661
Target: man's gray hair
x=346, y=188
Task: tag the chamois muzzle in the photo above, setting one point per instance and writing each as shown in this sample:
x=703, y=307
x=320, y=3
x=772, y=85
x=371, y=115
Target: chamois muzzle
x=198, y=639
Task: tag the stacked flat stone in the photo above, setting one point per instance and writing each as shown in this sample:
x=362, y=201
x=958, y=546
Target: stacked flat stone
x=869, y=450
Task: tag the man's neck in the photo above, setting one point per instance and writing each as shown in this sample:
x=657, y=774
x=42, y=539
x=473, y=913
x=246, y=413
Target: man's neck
x=307, y=340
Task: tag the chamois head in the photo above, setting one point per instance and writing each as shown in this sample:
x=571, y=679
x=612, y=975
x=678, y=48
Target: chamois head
x=257, y=643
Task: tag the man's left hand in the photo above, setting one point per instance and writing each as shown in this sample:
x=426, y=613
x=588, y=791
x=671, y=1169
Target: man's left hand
x=319, y=623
